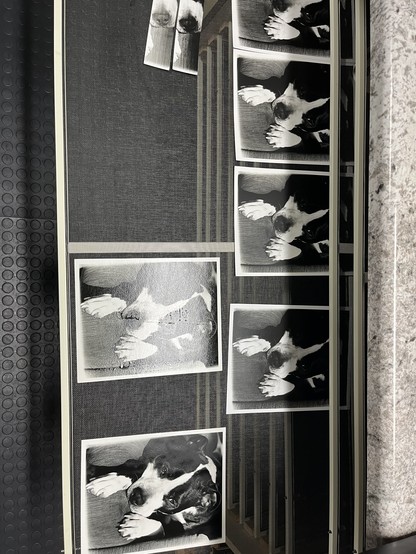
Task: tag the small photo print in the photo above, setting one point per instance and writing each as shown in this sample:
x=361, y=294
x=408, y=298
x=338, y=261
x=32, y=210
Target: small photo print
x=143, y=317
x=299, y=27
x=281, y=222
x=188, y=31
x=153, y=493
x=279, y=358
x=161, y=34
x=291, y=26
x=281, y=108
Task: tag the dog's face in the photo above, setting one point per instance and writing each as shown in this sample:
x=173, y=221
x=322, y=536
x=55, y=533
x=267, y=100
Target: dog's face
x=190, y=16
x=169, y=464
x=290, y=220
x=288, y=10
x=193, y=503
x=289, y=109
x=164, y=13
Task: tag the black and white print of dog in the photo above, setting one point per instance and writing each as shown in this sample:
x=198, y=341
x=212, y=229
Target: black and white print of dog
x=186, y=15
x=296, y=351
x=144, y=317
x=301, y=224
x=174, y=487
x=307, y=20
x=299, y=101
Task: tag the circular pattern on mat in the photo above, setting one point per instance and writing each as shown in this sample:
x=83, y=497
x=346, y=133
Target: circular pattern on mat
x=30, y=418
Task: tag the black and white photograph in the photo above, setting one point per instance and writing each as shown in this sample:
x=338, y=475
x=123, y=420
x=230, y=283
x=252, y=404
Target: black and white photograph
x=300, y=27
x=153, y=493
x=188, y=31
x=281, y=108
x=161, y=34
x=281, y=222
x=279, y=358
x=146, y=317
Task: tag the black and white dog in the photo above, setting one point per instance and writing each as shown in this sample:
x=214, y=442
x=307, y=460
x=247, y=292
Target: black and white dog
x=186, y=15
x=299, y=216
x=296, y=352
x=303, y=21
x=174, y=485
x=299, y=101
x=157, y=316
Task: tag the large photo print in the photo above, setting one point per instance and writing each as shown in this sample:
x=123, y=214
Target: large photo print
x=146, y=317
x=153, y=493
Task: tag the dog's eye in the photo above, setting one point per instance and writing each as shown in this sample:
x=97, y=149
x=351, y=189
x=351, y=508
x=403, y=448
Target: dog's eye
x=164, y=470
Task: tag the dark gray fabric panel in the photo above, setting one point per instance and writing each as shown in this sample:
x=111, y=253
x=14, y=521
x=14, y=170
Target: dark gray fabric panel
x=131, y=130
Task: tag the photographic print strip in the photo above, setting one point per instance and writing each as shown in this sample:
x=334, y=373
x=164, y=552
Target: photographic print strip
x=281, y=222
x=278, y=358
x=153, y=493
x=188, y=31
x=143, y=317
x=281, y=109
x=161, y=34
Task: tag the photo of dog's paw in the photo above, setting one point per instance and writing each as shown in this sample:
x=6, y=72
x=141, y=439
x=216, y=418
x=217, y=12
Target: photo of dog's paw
x=251, y=346
x=278, y=29
x=272, y=385
x=135, y=526
x=279, y=250
x=254, y=96
x=103, y=305
x=108, y=484
x=256, y=210
x=279, y=137
x=130, y=348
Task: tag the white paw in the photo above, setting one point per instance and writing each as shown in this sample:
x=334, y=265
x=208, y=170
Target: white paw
x=256, y=210
x=108, y=484
x=130, y=348
x=278, y=29
x=103, y=305
x=278, y=137
x=278, y=250
x=135, y=526
x=251, y=346
x=275, y=386
x=256, y=95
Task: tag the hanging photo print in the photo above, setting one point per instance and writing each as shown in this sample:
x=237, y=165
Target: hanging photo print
x=146, y=317
x=281, y=108
x=278, y=358
x=153, y=493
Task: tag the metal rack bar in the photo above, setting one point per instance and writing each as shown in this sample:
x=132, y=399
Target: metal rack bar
x=334, y=161
x=359, y=269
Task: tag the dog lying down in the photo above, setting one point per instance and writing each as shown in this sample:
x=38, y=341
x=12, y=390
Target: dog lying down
x=301, y=224
x=174, y=484
x=144, y=318
x=297, y=353
x=294, y=19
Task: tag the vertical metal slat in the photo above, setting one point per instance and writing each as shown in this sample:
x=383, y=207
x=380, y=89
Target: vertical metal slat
x=334, y=160
x=358, y=283
x=289, y=519
x=272, y=485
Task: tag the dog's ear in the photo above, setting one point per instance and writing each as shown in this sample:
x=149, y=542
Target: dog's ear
x=197, y=442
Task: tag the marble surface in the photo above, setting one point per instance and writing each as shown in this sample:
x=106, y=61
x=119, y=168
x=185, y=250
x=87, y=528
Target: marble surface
x=391, y=492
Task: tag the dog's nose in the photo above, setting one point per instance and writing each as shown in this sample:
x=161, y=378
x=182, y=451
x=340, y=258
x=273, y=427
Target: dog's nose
x=280, y=5
x=162, y=19
x=189, y=24
x=281, y=111
x=137, y=496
